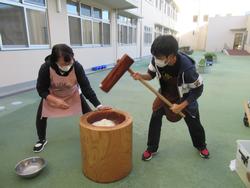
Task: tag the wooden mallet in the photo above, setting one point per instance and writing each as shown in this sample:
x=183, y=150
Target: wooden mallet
x=116, y=73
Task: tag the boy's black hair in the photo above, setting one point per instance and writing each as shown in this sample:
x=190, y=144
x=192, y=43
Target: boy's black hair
x=61, y=50
x=164, y=45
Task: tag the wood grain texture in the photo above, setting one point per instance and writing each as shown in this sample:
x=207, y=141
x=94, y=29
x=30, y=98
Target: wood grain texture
x=116, y=73
x=106, y=151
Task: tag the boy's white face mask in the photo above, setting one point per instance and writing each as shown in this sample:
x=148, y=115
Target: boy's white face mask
x=160, y=63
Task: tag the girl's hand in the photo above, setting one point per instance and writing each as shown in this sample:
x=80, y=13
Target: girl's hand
x=103, y=107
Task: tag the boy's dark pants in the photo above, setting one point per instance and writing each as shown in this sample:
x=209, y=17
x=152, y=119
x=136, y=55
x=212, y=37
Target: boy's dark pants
x=195, y=128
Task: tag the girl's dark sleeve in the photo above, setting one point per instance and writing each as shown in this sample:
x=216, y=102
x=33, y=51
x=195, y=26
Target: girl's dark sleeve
x=84, y=84
x=43, y=81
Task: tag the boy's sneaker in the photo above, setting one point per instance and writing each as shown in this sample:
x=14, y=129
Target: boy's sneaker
x=204, y=153
x=39, y=146
x=147, y=155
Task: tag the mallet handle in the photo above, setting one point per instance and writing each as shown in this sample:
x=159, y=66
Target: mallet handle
x=156, y=93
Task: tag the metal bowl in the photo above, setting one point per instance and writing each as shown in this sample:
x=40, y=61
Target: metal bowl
x=30, y=167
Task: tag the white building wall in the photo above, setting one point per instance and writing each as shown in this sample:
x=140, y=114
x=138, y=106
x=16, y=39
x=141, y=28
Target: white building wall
x=219, y=31
x=94, y=56
x=23, y=65
x=151, y=16
x=148, y=10
x=201, y=38
x=58, y=25
x=20, y=66
x=188, y=39
x=90, y=57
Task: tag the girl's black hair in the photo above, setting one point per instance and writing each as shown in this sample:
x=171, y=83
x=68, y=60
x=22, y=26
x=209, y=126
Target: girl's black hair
x=164, y=45
x=61, y=50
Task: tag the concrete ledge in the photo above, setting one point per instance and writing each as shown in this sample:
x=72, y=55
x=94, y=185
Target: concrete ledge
x=17, y=88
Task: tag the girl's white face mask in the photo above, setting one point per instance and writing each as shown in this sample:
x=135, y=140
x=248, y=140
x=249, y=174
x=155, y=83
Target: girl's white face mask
x=64, y=68
x=160, y=63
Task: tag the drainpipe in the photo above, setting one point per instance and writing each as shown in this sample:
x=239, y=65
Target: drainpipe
x=1, y=42
x=115, y=35
x=141, y=32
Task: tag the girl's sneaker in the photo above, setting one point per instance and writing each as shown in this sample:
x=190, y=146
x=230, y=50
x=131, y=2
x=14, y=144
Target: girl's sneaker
x=39, y=146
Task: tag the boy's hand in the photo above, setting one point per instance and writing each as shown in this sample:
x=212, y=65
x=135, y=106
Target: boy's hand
x=136, y=76
x=176, y=108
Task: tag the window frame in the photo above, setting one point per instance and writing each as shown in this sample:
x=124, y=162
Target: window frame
x=128, y=25
x=85, y=18
x=75, y=16
x=151, y=2
x=24, y=5
x=147, y=31
x=101, y=29
x=92, y=19
x=35, y=5
x=158, y=30
x=109, y=34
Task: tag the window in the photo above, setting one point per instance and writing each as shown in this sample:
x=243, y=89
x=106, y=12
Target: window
x=105, y=15
x=85, y=10
x=72, y=7
x=87, y=31
x=20, y=31
x=165, y=7
x=134, y=35
x=161, y=4
x=106, y=33
x=166, y=31
x=124, y=34
x=119, y=33
x=158, y=31
x=130, y=35
x=12, y=25
x=156, y=3
x=75, y=30
x=90, y=27
x=175, y=16
x=174, y=13
x=97, y=31
x=37, y=27
x=147, y=35
x=195, y=18
x=127, y=30
x=35, y=2
x=171, y=12
x=205, y=18
x=97, y=13
x=150, y=1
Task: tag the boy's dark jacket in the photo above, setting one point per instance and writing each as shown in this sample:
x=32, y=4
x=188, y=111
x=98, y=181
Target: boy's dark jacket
x=187, y=75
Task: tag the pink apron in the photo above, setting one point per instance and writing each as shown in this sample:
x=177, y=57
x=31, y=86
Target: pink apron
x=65, y=88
